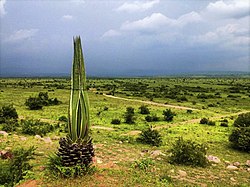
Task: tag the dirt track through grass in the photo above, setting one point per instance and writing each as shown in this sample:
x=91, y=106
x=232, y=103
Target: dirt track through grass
x=151, y=103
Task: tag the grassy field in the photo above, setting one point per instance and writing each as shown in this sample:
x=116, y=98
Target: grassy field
x=118, y=155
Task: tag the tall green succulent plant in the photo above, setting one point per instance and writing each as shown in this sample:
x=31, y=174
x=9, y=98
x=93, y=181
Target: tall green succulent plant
x=79, y=104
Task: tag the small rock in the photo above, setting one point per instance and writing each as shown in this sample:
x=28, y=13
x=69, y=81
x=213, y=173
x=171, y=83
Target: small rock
x=248, y=163
x=171, y=171
x=7, y=148
x=227, y=163
x=120, y=142
x=230, y=167
x=55, y=138
x=142, y=154
x=23, y=138
x=236, y=164
x=248, y=169
x=41, y=168
x=182, y=173
x=5, y=134
x=156, y=153
x=213, y=159
x=38, y=137
x=232, y=179
x=98, y=161
x=47, y=140
x=40, y=153
x=3, y=152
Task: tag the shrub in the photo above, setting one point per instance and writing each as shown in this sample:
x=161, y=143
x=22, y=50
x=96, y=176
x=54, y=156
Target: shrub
x=151, y=137
x=144, y=110
x=129, y=115
x=63, y=118
x=8, y=112
x=240, y=138
x=34, y=103
x=149, y=118
x=224, y=124
x=105, y=108
x=211, y=123
x=16, y=167
x=35, y=127
x=10, y=125
x=189, y=111
x=204, y=121
x=187, y=152
x=155, y=118
x=168, y=115
x=243, y=120
x=116, y=121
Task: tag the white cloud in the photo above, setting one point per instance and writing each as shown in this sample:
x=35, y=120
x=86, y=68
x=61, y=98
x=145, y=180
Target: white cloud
x=22, y=34
x=111, y=33
x=153, y=22
x=79, y=2
x=137, y=6
x=157, y=21
x=230, y=35
x=185, y=19
x=67, y=17
x=2, y=9
x=228, y=9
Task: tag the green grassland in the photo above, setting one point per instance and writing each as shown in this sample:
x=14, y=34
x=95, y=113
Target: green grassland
x=116, y=148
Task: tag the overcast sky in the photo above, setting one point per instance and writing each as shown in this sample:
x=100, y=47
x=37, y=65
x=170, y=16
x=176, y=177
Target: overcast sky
x=123, y=37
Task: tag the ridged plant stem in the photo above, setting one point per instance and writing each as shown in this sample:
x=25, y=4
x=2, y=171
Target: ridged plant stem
x=79, y=104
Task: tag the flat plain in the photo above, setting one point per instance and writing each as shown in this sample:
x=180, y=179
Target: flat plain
x=118, y=156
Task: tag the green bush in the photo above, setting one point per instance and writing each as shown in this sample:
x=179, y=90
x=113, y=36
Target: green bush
x=149, y=118
x=63, y=118
x=187, y=152
x=37, y=103
x=211, y=123
x=34, y=103
x=10, y=125
x=168, y=115
x=243, y=120
x=35, y=127
x=144, y=110
x=14, y=169
x=240, y=138
x=204, y=121
x=129, y=115
x=151, y=137
x=8, y=112
x=224, y=124
x=116, y=121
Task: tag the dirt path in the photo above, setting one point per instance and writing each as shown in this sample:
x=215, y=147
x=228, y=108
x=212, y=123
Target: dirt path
x=151, y=103
x=188, y=121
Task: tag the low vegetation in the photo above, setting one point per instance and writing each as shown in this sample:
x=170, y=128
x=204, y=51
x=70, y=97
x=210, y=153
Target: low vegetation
x=128, y=154
x=187, y=152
